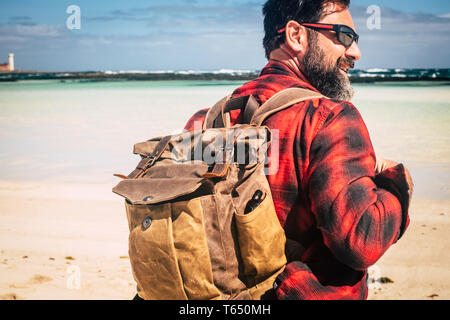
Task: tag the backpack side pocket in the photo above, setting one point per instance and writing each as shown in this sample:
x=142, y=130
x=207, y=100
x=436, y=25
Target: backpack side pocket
x=261, y=241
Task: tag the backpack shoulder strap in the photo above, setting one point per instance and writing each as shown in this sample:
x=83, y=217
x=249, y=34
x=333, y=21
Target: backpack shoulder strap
x=282, y=100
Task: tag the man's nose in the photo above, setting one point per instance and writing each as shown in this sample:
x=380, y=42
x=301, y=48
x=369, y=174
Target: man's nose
x=353, y=52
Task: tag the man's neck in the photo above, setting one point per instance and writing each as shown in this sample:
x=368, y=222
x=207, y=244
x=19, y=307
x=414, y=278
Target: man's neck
x=292, y=62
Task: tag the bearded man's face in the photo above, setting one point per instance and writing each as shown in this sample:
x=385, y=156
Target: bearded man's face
x=330, y=78
x=326, y=61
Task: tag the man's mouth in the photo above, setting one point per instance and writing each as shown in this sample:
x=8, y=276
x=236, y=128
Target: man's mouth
x=345, y=66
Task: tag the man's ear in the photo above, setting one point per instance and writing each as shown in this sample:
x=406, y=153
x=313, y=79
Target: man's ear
x=296, y=37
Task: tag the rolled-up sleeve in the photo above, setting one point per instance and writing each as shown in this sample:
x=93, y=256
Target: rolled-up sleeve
x=360, y=215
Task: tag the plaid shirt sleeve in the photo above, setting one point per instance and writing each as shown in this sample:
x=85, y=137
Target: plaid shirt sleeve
x=199, y=117
x=359, y=215
x=359, y=221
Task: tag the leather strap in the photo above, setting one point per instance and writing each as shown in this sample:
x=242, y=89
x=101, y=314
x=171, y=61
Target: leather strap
x=146, y=163
x=219, y=171
x=224, y=156
x=250, y=108
x=282, y=100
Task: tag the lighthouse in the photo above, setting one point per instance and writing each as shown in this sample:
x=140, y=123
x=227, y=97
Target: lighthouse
x=8, y=67
x=11, y=61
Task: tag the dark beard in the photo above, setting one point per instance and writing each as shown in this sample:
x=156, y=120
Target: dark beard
x=329, y=81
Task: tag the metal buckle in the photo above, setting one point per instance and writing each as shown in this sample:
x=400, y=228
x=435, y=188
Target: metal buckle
x=153, y=158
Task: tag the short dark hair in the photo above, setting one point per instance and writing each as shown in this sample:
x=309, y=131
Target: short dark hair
x=277, y=13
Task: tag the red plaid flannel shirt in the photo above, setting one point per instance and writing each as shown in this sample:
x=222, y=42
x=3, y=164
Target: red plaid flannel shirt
x=326, y=194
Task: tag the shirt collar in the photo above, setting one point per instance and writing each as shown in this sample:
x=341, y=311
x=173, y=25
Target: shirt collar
x=275, y=67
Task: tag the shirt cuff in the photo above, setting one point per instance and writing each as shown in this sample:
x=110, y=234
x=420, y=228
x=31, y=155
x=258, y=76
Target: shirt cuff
x=286, y=288
x=297, y=282
x=394, y=180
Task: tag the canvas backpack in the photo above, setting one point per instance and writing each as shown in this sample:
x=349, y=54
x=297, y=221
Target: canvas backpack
x=199, y=207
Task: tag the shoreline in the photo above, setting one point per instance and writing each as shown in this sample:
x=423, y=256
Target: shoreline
x=97, y=76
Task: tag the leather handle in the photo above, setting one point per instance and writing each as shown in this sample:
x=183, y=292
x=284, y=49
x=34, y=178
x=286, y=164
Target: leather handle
x=219, y=115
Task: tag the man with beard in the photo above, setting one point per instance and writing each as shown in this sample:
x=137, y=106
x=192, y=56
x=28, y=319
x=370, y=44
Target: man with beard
x=340, y=206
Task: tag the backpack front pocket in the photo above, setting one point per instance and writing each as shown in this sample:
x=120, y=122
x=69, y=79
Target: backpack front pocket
x=168, y=251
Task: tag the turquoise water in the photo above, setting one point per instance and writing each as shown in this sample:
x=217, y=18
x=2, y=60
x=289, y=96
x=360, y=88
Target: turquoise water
x=78, y=131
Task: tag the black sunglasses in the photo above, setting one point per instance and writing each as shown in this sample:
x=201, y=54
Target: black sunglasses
x=344, y=34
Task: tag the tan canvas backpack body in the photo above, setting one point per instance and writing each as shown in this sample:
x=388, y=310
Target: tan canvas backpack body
x=200, y=211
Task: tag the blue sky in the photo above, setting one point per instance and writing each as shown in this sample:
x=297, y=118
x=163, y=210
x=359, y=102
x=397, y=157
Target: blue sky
x=202, y=34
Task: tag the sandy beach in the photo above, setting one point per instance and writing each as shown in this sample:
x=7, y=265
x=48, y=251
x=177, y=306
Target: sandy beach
x=64, y=234
x=55, y=244
x=70, y=242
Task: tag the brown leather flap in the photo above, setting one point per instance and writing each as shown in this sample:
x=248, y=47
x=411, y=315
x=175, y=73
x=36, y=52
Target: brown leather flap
x=162, y=183
x=146, y=148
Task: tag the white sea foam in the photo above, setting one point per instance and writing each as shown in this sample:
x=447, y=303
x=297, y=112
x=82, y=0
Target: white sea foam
x=377, y=70
x=368, y=75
